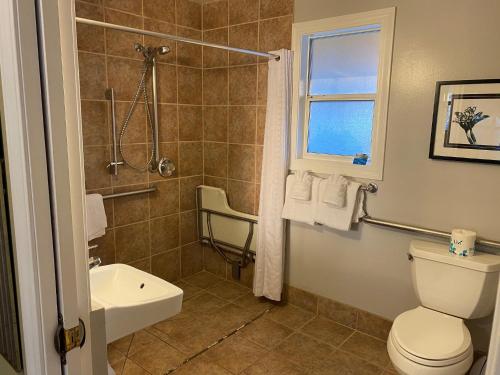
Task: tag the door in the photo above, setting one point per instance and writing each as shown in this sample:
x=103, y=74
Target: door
x=44, y=172
x=60, y=91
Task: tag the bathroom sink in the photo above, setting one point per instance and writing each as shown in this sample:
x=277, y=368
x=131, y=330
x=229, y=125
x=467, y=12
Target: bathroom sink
x=132, y=299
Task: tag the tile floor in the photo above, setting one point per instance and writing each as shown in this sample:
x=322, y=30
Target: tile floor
x=286, y=340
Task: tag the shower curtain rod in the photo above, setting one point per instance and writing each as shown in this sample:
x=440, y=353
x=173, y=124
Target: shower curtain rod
x=174, y=37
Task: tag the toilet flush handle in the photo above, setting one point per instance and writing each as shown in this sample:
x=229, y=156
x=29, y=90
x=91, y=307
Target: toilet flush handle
x=410, y=257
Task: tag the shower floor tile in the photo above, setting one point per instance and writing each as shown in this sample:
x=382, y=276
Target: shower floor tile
x=286, y=340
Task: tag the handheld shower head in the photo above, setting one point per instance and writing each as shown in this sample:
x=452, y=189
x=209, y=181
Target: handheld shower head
x=163, y=50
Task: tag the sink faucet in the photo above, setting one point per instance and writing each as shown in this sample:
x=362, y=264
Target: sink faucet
x=94, y=262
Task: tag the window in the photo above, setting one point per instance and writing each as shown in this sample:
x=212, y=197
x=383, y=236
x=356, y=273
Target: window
x=341, y=85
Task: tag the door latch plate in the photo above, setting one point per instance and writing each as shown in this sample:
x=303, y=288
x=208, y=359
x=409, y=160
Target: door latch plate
x=66, y=340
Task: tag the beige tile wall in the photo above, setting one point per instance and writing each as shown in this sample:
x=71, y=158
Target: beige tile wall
x=212, y=113
x=235, y=92
x=156, y=233
x=234, y=101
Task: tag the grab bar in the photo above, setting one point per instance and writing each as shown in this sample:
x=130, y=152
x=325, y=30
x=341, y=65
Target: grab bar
x=128, y=193
x=208, y=210
x=373, y=188
x=421, y=230
x=113, y=165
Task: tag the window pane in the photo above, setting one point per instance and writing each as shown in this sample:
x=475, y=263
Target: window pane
x=344, y=64
x=340, y=127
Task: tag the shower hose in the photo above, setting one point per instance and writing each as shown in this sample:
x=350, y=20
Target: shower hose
x=141, y=88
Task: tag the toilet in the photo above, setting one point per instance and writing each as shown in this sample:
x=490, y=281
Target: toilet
x=432, y=339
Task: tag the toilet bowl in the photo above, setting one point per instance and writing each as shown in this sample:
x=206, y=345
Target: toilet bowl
x=427, y=342
x=432, y=339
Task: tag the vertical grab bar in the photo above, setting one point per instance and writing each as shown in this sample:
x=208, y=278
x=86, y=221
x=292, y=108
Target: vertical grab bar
x=155, y=118
x=113, y=165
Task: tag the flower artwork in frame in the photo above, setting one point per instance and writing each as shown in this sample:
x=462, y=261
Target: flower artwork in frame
x=466, y=121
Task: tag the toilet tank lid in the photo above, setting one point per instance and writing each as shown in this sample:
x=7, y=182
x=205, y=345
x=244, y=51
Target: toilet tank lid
x=439, y=252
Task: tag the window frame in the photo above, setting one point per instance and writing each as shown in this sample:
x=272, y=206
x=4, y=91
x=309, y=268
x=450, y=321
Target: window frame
x=302, y=35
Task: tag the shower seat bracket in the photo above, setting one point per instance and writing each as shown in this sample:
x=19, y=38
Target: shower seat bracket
x=218, y=208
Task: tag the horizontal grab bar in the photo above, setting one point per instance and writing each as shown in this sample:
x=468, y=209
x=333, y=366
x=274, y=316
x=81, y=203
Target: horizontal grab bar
x=128, y=193
x=218, y=213
x=421, y=230
x=233, y=249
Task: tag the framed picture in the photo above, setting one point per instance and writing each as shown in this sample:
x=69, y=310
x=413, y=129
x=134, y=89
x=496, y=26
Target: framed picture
x=466, y=121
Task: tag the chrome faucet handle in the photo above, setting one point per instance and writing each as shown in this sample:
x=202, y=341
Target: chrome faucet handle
x=94, y=262
x=166, y=167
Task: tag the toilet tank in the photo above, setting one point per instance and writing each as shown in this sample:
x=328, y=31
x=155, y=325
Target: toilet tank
x=461, y=286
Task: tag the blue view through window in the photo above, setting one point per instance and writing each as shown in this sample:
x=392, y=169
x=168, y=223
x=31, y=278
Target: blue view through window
x=340, y=127
x=344, y=64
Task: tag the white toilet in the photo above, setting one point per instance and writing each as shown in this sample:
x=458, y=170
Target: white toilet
x=432, y=339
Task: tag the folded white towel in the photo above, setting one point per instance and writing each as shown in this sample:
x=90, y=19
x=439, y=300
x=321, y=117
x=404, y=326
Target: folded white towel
x=301, y=185
x=340, y=218
x=336, y=190
x=96, y=216
x=300, y=210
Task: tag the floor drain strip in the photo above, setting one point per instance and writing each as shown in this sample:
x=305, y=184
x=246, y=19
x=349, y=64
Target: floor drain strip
x=218, y=341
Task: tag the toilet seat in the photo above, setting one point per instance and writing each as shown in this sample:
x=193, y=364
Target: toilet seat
x=431, y=338
x=405, y=366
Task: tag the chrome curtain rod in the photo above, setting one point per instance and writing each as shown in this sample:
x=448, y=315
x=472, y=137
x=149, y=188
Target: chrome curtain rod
x=421, y=230
x=174, y=37
x=128, y=193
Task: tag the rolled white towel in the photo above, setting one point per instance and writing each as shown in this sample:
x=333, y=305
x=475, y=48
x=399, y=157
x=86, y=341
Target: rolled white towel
x=340, y=218
x=301, y=186
x=336, y=190
x=300, y=210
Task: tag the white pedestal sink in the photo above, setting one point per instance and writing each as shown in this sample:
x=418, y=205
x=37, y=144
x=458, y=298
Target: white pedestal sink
x=132, y=299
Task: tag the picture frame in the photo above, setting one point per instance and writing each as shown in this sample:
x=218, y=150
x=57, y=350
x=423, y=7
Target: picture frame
x=466, y=121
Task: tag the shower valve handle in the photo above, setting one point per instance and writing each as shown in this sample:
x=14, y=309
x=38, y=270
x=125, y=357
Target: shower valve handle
x=166, y=167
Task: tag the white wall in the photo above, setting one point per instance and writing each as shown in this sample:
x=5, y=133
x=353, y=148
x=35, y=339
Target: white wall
x=368, y=268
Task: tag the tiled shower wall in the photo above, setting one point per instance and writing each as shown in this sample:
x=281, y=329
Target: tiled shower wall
x=212, y=113
x=234, y=101
x=235, y=92
x=155, y=232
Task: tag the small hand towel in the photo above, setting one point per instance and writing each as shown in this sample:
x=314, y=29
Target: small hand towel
x=96, y=216
x=300, y=210
x=301, y=186
x=340, y=218
x=336, y=190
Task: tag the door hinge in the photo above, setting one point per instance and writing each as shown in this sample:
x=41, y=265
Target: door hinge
x=66, y=340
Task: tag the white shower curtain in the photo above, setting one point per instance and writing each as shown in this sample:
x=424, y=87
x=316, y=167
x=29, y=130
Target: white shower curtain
x=269, y=262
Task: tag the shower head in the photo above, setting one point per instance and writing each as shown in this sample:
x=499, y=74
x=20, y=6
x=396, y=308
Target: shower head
x=150, y=52
x=163, y=50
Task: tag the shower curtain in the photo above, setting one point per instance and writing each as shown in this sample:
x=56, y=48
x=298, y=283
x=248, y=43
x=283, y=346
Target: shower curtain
x=269, y=262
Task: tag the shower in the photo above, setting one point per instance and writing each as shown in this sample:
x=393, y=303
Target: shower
x=163, y=165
